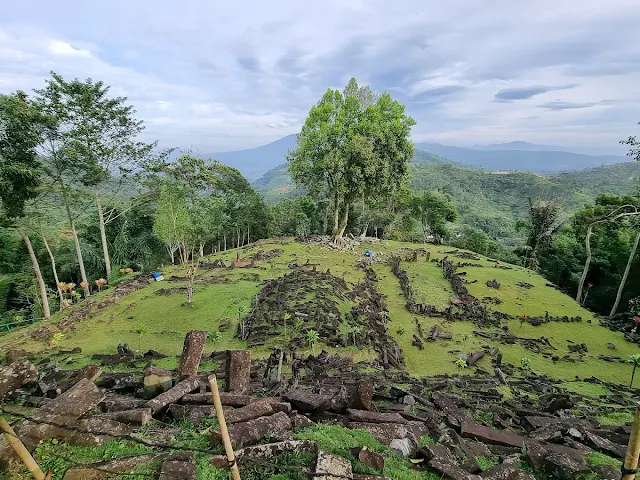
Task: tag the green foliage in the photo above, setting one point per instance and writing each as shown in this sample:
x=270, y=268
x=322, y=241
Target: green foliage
x=353, y=145
x=312, y=338
x=488, y=461
x=21, y=127
x=525, y=363
x=433, y=210
x=461, y=363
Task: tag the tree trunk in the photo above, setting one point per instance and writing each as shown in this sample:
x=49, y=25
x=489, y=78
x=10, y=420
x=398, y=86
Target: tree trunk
x=625, y=275
x=55, y=270
x=343, y=224
x=76, y=241
x=172, y=254
x=587, y=244
x=36, y=267
x=364, y=231
x=103, y=237
x=225, y=242
x=633, y=374
x=202, y=249
x=336, y=214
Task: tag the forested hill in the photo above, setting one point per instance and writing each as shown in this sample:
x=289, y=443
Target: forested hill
x=491, y=201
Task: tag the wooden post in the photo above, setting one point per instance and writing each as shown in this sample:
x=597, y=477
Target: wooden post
x=633, y=449
x=213, y=382
x=21, y=450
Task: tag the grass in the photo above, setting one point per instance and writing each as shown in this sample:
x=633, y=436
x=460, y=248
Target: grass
x=488, y=461
x=587, y=389
x=337, y=439
x=597, y=458
x=615, y=418
x=219, y=292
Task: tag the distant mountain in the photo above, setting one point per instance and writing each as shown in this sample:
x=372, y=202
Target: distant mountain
x=532, y=147
x=537, y=161
x=519, y=156
x=255, y=162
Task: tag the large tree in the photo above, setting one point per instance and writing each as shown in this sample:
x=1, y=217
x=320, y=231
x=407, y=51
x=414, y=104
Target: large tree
x=92, y=141
x=21, y=127
x=354, y=145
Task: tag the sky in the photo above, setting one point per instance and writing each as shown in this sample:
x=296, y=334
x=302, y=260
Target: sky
x=219, y=75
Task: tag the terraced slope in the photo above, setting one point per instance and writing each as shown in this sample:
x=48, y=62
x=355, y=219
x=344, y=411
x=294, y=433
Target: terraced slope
x=279, y=290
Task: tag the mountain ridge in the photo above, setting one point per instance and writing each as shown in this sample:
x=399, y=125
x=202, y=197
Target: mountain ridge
x=513, y=156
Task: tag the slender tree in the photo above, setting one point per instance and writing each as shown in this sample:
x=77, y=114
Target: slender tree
x=433, y=210
x=625, y=275
x=353, y=145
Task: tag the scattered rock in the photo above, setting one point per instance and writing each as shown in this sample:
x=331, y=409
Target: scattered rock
x=490, y=435
x=369, y=457
x=156, y=381
x=403, y=446
x=254, y=430
x=374, y=417
x=16, y=375
x=174, y=394
x=238, y=371
x=191, y=353
x=332, y=467
x=308, y=402
x=244, y=414
x=100, y=470
x=138, y=416
x=556, y=401
x=363, y=398
x=178, y=467
x=300, y=421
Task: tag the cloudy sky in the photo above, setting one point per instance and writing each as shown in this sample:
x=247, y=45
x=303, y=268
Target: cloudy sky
x=235, y=74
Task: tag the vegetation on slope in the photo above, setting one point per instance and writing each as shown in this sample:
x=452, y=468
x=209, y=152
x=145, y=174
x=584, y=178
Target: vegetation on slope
x=102, y=322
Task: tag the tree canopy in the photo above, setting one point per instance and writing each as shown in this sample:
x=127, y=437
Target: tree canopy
x=353, y=145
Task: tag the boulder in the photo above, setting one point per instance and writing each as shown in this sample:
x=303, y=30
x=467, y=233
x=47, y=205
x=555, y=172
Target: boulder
x=300, y=421
x=178, y=467
x=260, y=453
x=383, y=432
x=374, y=417
x=308, y=402
x=192, y=353
x=254, y=430
x=332, y=467
x=605, y=446
x=363, y=396
x=553, y=402
x=16, y=375
x=452, y=471
x=490, y=435
x=403, y=446
x=504, y=471
x=238, y=371
x=368, y=457
x=63, y=410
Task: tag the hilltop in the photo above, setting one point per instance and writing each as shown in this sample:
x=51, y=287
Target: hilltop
x=325, y=287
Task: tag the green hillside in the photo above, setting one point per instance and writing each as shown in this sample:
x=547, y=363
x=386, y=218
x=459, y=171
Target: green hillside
x=320, y=288
x=490, y=201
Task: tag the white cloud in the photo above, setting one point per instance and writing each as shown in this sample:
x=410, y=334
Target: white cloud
x=237, y=74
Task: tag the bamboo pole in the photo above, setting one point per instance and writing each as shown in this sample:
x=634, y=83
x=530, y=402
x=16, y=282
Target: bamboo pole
x=217, y=403
x=21, y=450
x=633, y=449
